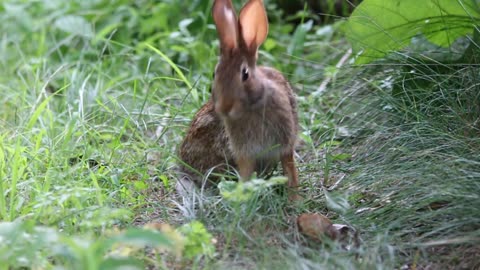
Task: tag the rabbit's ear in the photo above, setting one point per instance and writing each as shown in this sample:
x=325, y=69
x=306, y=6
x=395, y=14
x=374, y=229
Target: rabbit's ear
x=226, y=22
x=253, y=24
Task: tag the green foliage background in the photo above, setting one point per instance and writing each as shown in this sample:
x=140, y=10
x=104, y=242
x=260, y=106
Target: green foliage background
x=97, y=94
x=377, y=28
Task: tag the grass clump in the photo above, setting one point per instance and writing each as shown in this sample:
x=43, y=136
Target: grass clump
x=415, y=163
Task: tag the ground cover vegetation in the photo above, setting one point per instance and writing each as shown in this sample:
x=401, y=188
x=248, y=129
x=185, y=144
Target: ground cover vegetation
x=96, y=96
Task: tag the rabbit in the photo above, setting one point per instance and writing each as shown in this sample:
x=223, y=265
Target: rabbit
x=250, y=121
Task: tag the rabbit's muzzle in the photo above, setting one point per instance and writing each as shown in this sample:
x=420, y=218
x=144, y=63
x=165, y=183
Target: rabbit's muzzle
x=228, y=108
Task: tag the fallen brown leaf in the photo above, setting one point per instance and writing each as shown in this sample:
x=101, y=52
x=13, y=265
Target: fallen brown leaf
x=317, y=226
x=314, y=225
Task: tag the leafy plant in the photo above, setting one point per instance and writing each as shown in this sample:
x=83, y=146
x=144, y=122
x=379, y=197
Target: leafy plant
x=238, y=192
x=199, y=242
x=377, y=28
x=26, y=245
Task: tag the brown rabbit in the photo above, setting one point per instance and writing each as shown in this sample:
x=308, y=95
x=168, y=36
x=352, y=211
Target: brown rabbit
x=251, y=120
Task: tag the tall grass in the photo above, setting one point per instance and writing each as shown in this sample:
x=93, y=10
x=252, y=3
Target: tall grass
x=414, y=173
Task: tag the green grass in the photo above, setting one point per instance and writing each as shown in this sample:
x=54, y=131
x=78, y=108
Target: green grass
x=96, y=96
x=423, y=175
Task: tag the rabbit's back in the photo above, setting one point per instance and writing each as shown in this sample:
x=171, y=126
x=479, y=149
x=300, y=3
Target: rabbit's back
x=205, y=145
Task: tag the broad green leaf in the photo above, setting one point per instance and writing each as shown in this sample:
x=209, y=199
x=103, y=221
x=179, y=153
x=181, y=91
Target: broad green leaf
x=378, y=27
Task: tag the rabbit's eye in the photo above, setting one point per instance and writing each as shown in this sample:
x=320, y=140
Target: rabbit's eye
x=244, y=74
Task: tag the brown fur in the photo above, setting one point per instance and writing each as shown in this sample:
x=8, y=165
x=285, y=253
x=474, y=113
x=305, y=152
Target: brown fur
x=205, y=145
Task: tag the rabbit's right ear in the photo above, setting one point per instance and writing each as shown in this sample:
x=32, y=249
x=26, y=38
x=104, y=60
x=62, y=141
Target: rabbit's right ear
x=227, y=24
x=253, y=24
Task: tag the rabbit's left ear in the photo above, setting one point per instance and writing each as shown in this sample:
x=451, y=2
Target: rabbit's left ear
x=253, y=23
